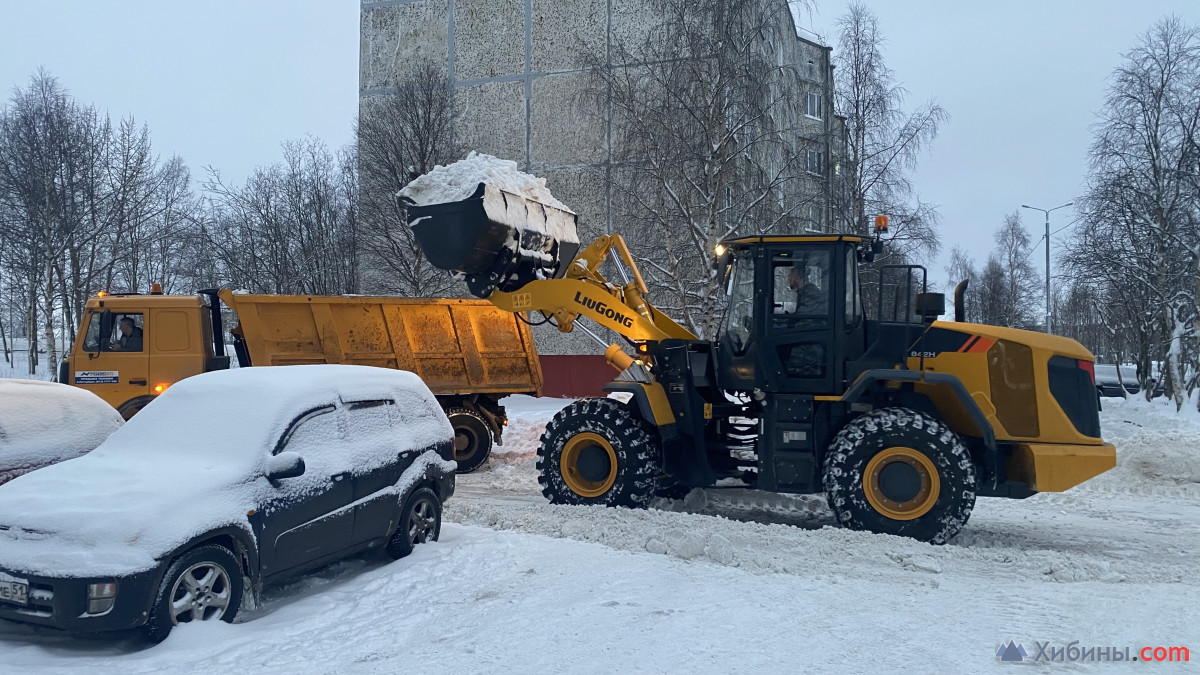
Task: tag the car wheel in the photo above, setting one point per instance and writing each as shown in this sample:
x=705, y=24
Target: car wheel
x=420, y=523
x=899, y=471
x=204, y=584
x=472, y=439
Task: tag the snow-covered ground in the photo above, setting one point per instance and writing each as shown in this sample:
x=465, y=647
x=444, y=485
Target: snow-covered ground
x=723, y=581
x=19, y=367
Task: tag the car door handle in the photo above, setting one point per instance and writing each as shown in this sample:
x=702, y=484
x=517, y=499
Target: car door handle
x=339, y=477
x=138, y=382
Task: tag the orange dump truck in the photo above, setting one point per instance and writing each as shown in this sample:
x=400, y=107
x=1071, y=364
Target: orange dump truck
x=130, y=348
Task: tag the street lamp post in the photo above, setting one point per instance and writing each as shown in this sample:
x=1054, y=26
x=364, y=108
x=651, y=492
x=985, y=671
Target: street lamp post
x=1047, y=212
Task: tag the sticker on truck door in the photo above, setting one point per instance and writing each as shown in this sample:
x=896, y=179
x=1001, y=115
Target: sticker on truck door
x=97, y=376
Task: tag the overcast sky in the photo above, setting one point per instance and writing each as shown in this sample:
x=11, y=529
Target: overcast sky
x=222, y=83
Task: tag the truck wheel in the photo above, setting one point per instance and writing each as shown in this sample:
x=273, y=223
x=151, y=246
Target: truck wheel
x=134, y=405
x=598, y=451
x=472, y=438
x=898, y=471
x=204, y=584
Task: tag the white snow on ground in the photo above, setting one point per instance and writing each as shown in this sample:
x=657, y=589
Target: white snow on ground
x=724, y=581
x=19, y=368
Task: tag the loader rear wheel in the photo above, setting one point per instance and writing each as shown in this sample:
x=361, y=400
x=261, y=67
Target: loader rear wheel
x=599, y=451
x=472, y=439
x=899, y=471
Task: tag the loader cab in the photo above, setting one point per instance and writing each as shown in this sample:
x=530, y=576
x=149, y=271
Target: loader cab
x=795, y=314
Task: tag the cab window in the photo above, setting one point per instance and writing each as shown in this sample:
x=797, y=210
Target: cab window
x=125, y=334
x=853, y=308
x=739, y=317
x=801, y=285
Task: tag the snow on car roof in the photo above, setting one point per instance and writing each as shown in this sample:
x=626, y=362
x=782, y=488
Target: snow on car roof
x=43, y=422
x=255, y=405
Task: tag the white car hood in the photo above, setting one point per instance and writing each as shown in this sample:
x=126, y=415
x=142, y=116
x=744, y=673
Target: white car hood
x=95, y=516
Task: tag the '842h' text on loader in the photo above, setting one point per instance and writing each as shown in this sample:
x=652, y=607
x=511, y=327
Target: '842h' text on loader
x=902, y=423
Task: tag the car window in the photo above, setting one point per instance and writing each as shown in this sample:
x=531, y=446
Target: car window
x=367, y=420
x=311, y=427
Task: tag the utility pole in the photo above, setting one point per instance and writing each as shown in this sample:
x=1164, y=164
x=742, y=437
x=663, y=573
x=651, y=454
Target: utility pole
x=1047, y=212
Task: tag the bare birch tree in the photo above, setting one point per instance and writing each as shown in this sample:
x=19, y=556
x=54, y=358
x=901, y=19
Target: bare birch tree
x=884, y=143
x=1141, y=234
x=402, y=136
x=705, y=125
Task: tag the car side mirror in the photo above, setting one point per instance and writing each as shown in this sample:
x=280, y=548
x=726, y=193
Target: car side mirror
x=285, y=465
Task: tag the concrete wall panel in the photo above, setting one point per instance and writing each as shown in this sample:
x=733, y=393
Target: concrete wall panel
x=489, y=38
x=566, y=34
x=491, y=119
x=566, y=126
x=394, y=38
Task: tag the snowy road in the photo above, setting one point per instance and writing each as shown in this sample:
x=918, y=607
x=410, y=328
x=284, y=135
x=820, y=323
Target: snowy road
x=725, y=581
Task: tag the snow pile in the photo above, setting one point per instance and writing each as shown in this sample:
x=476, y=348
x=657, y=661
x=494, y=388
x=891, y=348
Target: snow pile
x=458, y=181
x=1158, y=449
x=512, y=467
x=194, y=460
x=42, y=423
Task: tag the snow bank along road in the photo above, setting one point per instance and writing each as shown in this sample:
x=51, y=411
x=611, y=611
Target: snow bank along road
x=725, y=581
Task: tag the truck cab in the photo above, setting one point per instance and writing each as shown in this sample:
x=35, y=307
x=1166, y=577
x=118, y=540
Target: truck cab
x=130, y=348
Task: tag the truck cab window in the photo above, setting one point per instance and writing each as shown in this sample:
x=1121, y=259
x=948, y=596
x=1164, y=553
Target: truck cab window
x=125, y=334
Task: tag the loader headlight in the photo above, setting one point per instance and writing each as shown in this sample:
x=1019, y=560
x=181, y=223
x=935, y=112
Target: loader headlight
x=719, y=250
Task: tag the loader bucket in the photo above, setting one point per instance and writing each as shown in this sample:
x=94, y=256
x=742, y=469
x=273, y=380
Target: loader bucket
x=495, y=239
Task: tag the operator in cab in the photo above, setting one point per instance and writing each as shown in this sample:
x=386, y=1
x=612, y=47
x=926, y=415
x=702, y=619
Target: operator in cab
x=130, y=339
x=810, y=299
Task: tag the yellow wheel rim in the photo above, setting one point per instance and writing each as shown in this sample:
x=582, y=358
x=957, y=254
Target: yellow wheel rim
x=915, y=497
x=583, y=464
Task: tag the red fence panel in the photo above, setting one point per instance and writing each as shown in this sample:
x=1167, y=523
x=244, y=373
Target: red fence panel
x=575, y=376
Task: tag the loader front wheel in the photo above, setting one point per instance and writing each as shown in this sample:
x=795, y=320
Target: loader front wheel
x=899, y=471
x=599, y=451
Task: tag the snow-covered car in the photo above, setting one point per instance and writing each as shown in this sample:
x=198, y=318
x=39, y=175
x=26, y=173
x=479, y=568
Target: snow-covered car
x=1108, y=384
x=43, y=423
x=226, y=481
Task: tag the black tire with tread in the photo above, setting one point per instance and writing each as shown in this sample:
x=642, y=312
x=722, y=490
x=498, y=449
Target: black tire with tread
x=400, y=545
x=471, y=423
x=160, y=623
x=634, y=441
x=863, y=437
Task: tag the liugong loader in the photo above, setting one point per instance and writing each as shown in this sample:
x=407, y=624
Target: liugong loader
x=901, y=423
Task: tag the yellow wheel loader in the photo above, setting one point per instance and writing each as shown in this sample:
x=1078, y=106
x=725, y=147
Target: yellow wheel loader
x=900, y=422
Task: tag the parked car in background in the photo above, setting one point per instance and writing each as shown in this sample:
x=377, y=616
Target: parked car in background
x=43, y=423
x=228, y=478
x=1108, y=384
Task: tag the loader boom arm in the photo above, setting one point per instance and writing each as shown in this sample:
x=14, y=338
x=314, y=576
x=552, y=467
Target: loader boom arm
x=621, y=308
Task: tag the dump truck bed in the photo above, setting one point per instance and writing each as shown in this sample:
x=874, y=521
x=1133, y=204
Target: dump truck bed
x=457, y=346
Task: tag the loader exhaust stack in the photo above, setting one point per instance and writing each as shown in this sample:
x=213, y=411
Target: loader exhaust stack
x=495, y=239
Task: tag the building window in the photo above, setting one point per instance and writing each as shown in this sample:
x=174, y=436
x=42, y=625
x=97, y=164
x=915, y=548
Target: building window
x=812, y=106
x=815, y=162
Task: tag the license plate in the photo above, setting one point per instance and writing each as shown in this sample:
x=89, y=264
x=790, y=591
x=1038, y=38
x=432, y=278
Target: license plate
x=11, y=591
